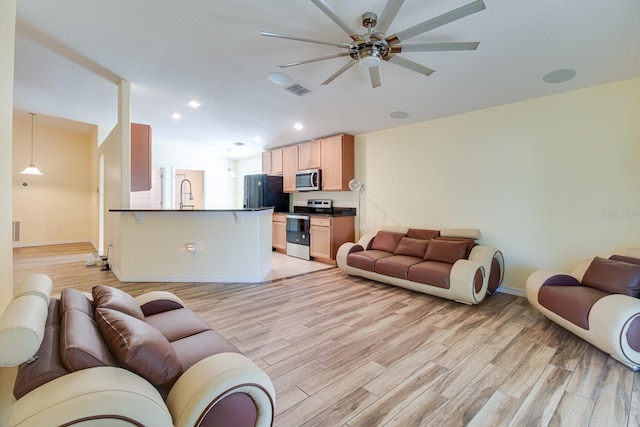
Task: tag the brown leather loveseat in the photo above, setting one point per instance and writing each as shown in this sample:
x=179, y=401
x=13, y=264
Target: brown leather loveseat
x=111, y=359
x=446, y=263
x=598, y=302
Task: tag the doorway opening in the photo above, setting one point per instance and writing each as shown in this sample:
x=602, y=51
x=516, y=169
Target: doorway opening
x=189, y=189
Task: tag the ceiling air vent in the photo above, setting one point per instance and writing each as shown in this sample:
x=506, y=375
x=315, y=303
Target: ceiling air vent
x=296, y=89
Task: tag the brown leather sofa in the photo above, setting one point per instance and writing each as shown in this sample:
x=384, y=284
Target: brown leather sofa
x=598, y=302
x=446, y=263
x=111, y=359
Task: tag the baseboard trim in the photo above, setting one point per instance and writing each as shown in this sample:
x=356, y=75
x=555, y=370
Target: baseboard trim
x=511, y=291
x=61, y=242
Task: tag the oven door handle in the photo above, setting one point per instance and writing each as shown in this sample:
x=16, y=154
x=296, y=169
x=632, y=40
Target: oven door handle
x=298, y=217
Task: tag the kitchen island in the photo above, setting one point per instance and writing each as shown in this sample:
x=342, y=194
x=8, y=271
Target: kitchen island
x=191, y=245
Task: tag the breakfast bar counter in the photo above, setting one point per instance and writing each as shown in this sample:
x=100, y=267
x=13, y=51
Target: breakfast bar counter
x=213, y=245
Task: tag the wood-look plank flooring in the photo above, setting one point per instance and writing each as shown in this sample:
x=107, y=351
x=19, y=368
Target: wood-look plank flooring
x=348, y=352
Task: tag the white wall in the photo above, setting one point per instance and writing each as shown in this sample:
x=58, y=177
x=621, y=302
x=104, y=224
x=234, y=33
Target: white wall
x=551, y=181
x=220, y=191
x=57, y=206
x=7, y=43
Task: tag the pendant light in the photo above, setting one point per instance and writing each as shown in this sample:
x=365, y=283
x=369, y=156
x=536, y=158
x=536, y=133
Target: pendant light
x=229, y=172
x=31, y=170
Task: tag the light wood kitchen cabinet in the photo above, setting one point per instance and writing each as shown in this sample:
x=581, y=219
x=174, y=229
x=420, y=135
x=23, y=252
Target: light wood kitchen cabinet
x=140, y=157
x=289, y=168
x=309, y=155
x=337, y=154
x=279, y=234
x=266, y=162
x=272, y=162
x=276, y=161
x=327, y=234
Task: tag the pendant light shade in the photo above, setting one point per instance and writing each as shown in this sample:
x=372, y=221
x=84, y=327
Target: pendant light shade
x=230, y=173
x=31, y=169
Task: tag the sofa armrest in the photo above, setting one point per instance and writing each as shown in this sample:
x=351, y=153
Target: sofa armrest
x=610, y=319
x=208, y=382
x=109, y=394
x=467, y=281
x=158, y=301
x=485, y=256
x=365, y=240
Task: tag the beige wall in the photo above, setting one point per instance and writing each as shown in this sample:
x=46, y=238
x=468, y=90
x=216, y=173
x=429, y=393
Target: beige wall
x=551, y=181
x=7, y=42
x=57, y=206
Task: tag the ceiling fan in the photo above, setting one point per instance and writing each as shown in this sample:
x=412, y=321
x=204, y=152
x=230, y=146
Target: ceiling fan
x=370, y=48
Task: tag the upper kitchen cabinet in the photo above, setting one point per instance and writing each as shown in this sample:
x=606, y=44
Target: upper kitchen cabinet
x=140, y=157
x=337, y=154
x=289, y=168
x=272, y=162
x=266, y=162
x=309, y=155
x=276, y=161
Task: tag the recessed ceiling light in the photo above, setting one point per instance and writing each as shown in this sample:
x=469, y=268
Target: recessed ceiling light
x=399, y=114
x=279, y=78
x=298, y=126
x=257, y=138
x=559, y=76
x=194, y=104
x=176, y=116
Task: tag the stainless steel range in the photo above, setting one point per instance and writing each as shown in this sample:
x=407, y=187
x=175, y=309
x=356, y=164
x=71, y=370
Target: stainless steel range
x=298, y=225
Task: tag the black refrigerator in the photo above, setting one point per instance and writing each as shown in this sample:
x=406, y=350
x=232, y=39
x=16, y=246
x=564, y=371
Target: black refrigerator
x=262, y=190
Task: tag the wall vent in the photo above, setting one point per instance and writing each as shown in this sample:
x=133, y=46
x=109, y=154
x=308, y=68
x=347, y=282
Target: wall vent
x=15, y=231
x=297, y=89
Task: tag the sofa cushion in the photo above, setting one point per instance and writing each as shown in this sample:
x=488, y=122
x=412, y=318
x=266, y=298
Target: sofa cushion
x=614, y=277
x=177, y=324
x=386, y=241
x=422, y=233
x=445, y=250
x=625, y=258
x=73, y=299
x=366, y=260
x=139, y=347
x=396, y=265
x=109, y=297
x=411, y=247
x=194, y=348
x=81, y=343
x=44, y=367
x=434, y=273
x=470, y=243
x=572, y=303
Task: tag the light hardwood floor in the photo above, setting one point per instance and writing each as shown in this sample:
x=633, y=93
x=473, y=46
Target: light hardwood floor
x=344, y=351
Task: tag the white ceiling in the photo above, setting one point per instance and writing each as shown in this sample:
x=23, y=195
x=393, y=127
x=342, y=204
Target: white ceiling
x=70, y=53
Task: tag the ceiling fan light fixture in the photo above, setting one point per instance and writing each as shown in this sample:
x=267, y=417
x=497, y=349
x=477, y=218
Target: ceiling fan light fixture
x=369, y=57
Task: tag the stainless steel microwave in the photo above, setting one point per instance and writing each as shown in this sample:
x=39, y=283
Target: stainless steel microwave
x=308, y=180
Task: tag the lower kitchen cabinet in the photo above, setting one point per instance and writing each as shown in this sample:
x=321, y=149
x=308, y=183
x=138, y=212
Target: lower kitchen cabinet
x=279, y=236
x=327, y=234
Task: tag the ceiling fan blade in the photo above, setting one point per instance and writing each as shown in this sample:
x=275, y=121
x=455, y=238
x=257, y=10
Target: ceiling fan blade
x=344, y=68
x=435, y=47
x=328, y=10
x=291, y=64
x=436, y=22
x=303, y=39
x=388, y=14
x=374, y=73
x=410, y=65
